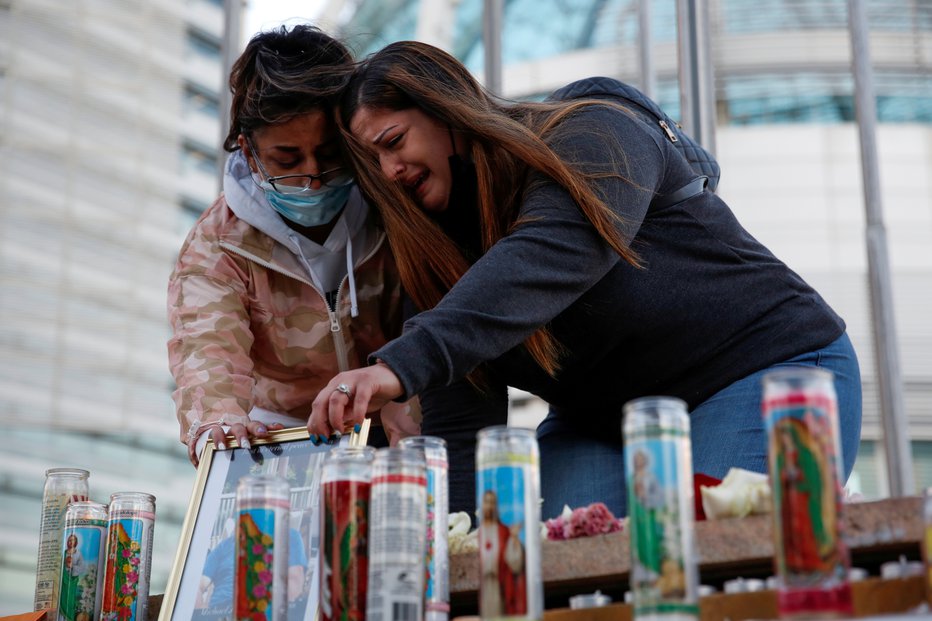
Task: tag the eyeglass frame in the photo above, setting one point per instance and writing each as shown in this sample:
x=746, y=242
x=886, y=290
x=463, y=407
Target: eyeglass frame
x=310, y=178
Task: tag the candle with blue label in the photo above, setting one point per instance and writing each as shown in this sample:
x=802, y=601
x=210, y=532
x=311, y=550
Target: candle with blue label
x=508, y=505
x=84, y=556
x=664, y=574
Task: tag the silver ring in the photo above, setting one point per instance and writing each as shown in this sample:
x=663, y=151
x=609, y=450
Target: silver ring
x=344, y=389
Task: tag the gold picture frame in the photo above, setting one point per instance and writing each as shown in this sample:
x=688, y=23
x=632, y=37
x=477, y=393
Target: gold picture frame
x=205, y=548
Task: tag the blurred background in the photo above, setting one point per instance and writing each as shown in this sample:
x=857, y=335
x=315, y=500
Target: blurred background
x=111, y=113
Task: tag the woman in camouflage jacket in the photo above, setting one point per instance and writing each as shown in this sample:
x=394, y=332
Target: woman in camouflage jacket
x=287, y=278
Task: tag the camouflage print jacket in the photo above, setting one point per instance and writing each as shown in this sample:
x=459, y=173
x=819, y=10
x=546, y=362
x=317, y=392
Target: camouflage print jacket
x=250, y=329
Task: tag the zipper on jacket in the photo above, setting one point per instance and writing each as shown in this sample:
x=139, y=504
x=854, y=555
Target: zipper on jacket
x=339, y=344
x=669, y=131
x=660, y=121
x=336, y=330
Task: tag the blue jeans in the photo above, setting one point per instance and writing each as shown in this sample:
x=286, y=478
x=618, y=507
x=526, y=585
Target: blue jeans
x=726, y=431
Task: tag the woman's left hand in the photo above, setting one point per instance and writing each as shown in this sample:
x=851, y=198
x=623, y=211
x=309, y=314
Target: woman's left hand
x=344, y=401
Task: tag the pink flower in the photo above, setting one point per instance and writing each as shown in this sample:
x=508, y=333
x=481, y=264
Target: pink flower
x=596, y=519
x=132, y=577
x=127, y=553
x=258, y=549
x=134, y=560
x=601, y=520
x=265, y=576
x=555, y=529
x=259, y=591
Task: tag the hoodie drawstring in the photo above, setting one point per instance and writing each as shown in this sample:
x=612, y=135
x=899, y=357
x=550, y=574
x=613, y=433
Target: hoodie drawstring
x=354, y=307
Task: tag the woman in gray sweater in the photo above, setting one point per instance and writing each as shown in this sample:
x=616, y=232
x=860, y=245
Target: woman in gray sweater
x=537, y=244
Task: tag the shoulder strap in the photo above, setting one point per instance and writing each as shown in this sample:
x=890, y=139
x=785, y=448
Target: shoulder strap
x=701, y=161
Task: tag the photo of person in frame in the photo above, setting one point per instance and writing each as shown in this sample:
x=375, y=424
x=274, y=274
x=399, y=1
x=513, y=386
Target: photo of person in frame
x=299, y=464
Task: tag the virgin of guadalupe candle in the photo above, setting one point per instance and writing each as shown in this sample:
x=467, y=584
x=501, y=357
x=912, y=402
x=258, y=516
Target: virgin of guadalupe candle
x=344, y=551
x=801, y=418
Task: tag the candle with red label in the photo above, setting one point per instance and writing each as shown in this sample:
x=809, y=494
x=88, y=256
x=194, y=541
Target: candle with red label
x=800, y=414
x=344, y=550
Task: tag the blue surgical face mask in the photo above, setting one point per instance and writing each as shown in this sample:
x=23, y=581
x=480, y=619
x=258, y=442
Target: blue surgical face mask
x=310, y=207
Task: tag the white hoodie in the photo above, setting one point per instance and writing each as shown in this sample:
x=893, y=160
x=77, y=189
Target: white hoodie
x=348, y=243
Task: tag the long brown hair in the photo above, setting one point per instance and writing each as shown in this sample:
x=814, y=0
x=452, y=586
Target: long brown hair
x=507, y=144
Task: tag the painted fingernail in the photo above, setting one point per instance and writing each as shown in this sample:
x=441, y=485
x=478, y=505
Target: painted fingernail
x=245, y=444
x=221, y=446
x=335, y=437
x=262, y=429
x=356, y=428
x=314, y=440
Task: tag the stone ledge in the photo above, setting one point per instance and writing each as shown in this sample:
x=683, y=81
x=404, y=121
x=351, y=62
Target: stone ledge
x=876, y=532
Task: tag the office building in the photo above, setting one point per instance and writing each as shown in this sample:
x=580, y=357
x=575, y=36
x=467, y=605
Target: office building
x=109, y=137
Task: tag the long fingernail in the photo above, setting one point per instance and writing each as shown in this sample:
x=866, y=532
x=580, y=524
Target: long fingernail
x=356, y=428
x=314, y=440
x=245, y=444
x=221, y=446
x=336, y=436
x=262, y=429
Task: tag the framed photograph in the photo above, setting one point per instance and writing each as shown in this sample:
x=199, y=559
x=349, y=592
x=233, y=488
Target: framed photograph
x=200, y=585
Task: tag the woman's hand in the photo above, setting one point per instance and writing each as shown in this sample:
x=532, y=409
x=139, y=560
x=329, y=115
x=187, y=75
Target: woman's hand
x=243, y=432
x=344, y=401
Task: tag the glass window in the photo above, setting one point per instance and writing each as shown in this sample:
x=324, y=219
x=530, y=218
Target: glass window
x=203, y=45
x=536, y=29
x=200, y=101
x=742, y=16
x=196, y=157
x=865, y=478
x=190, y=211
x=922, y=463
x=376, y=24
x=822, y=98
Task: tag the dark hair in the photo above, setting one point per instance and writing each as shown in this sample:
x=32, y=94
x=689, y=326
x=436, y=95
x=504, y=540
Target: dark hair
x=508, y=140
x=284, y=73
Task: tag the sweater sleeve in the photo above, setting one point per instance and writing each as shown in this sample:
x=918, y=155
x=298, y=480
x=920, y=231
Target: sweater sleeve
x=544, y=265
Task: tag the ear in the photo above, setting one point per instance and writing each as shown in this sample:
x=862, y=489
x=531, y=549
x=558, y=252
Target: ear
x=244, y=146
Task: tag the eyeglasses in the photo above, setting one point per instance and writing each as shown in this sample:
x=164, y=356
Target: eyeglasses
x=297, y=184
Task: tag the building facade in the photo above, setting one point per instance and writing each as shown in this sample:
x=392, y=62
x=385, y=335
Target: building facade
x=109, y=134
x=785, y=137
